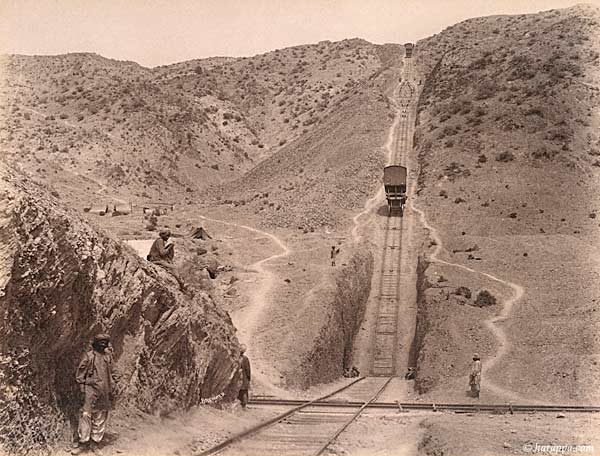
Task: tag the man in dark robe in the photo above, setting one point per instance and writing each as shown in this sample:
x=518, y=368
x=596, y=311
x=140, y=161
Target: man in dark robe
x=95, y=378
x=475, y=376
x=162, y=254
x=246, y=375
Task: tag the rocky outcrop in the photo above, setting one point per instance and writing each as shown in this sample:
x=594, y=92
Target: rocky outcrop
x=61, y=281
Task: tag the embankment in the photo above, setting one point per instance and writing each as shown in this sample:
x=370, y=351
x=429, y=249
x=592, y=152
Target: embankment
x=327, y=332
x=450, y=327
x=61, y=281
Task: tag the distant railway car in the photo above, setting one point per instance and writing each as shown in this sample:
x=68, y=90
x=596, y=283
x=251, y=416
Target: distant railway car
x=394, y=181
x=408, y=48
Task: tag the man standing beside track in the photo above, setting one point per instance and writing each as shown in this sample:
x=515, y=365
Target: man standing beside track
x=475, y=375
x=246, y=375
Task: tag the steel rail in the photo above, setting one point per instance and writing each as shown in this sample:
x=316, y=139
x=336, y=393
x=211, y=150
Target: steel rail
x=437, y=407
x=353, y=418
x=271, y=421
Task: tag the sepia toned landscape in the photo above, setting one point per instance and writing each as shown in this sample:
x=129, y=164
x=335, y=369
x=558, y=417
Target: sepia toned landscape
x=259, y=167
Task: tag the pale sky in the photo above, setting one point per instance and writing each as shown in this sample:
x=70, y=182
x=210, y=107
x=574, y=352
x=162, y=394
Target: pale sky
x=158, y=32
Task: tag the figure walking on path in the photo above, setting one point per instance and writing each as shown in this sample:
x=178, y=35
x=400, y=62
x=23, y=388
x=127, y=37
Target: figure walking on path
x=333, y=254
x=475, y=376
x=95, y=378
x=246, y=375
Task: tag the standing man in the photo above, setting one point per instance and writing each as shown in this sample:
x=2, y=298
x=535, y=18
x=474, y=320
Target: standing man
x=246, y=375
x=334, y=253
x=475, y=375
x=95, y=378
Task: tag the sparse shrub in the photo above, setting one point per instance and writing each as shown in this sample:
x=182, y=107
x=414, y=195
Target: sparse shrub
x=480, y=112
x=485, y=299
x=534, y=111
x=505, y=156
x=463, y=291
x=487, y=90
x=543, y=152
x=482, y=158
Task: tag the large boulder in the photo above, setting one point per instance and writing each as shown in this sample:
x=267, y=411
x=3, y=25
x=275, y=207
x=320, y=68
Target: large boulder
x=62, y=281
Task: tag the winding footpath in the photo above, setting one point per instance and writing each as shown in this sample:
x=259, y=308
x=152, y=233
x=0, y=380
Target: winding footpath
x=504, y=344
x=259, y=299
x=375, y=201
x=493, y=324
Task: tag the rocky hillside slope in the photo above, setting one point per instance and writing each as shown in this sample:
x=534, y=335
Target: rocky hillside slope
x=321, y=178
x=60, y=283
x=83, y=121
x=509, y=149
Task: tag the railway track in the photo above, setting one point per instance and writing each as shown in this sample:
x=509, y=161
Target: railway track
x=385, y=345
x=432, y=407
x=309, y=427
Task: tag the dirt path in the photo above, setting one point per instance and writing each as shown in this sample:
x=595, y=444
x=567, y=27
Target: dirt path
x=491, y=323
x=102, y=188
x=247, y=320
x=375, y=201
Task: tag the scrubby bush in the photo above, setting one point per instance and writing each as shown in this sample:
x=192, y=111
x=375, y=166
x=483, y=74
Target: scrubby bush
x=485, y=298
x=463, y=291
x=505, y=156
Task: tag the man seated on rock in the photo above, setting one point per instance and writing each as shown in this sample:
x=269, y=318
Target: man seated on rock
x=162, y=254
x=161, y=250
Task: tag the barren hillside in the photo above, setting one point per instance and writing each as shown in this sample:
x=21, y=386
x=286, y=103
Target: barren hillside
x=83, y=121
x=509, y=153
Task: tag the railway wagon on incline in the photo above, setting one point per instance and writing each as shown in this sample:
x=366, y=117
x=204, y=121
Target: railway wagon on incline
x=394, y=181
x=408, y=48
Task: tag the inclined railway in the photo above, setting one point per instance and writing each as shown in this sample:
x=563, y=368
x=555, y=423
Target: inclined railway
x=385, y=349
x=311, y=427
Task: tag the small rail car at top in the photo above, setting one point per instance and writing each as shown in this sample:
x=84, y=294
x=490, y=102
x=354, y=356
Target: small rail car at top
x=394, y=182
x=408, y=49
